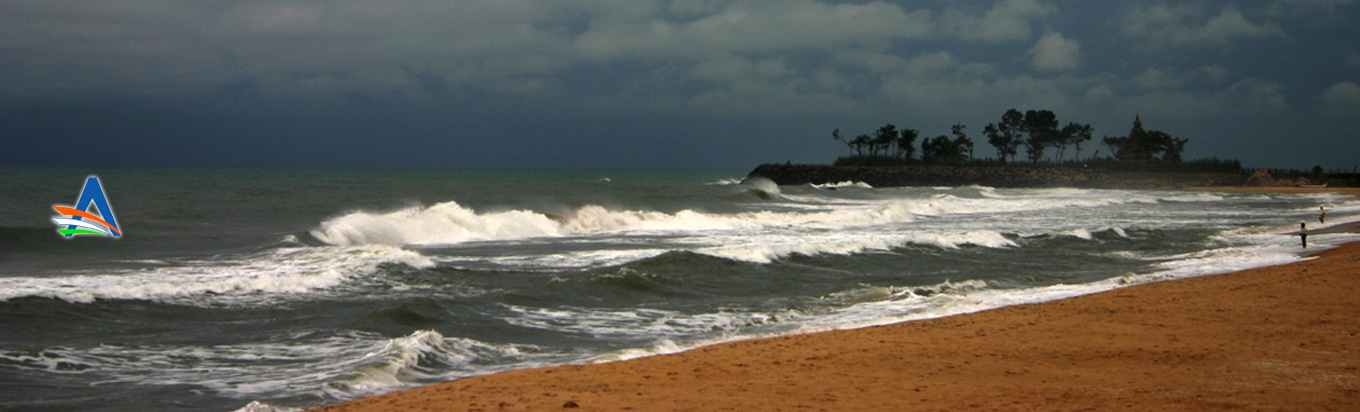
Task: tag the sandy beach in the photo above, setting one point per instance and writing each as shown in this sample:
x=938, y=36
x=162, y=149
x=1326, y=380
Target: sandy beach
x=1276, y=338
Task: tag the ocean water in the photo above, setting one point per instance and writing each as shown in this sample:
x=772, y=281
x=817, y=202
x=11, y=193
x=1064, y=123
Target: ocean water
x=261, y=290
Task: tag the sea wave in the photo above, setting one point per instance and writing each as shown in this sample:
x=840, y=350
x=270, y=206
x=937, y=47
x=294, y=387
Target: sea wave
x=725, y=182
x=335, y=367
x=261, y=277
x=768, y=250
x=451, y=223
x=257, y=406
x=863, y=226
x=422, y=357
x=845, y=184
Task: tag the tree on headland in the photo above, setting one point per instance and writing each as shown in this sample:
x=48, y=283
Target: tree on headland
x=884, y=139
x=836, y=135
x=1113, y=144
x=886, y=142
x=962, y=139
x=859, y=144
x=906, y=142
x=1170, y=147
x=1036, y=130
x=942, y=149
x=1074, y=134
x=1041, y=127
x=1006, y=136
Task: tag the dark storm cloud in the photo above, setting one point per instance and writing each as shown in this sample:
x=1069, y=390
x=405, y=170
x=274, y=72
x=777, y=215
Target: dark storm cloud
x=636, y=83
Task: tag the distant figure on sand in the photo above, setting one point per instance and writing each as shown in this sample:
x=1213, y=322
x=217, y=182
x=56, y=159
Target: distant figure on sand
x=1303, y=234
x=1322, y=214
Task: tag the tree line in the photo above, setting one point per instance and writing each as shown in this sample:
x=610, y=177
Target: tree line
x=1036, y=131
x=888, y=141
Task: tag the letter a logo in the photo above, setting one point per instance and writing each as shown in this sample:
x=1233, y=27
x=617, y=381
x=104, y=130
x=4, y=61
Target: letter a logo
x=79, y=221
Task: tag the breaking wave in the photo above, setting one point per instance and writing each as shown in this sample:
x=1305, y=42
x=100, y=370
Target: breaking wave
x=336, y=367
x=450, y=223
x=845, y=184
x=770, y=249
x=420, y=358
x=262, y=277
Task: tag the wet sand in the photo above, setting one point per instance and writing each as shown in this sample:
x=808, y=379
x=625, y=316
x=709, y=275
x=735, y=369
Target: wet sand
x=1276, y=338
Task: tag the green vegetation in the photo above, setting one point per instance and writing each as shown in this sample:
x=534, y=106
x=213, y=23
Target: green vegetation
x=1039, y=133
x=941, y=149
x=882, y=143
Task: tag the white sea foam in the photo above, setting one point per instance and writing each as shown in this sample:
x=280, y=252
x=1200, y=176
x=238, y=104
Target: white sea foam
x=638, y=323
x=257, y=406
x=1192, y=197
x=725, y=182
x=759, y=236
x=845, y=184
x=1119, y=231
x=420, y=357
x=336, y=367
x=979, y=296
x=442, y=223
x=554, y=261
x=1078, y=233
x=769, y=249
x=261, y=277
x=762, y=184
x=449, y=223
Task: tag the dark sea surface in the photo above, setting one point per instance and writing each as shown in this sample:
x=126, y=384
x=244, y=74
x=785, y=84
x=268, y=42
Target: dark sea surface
x=284, y=289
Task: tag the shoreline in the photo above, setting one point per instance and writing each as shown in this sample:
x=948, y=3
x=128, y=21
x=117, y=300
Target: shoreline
x=1279, y=337
x=790, y=174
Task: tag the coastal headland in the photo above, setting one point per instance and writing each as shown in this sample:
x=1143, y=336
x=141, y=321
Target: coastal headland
x=994, y=176
x=1274, y=338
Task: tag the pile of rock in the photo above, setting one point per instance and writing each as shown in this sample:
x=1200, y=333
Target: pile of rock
x=1263, y=178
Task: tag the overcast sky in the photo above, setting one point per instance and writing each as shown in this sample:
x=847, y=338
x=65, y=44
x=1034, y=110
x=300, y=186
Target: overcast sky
x=656, y=84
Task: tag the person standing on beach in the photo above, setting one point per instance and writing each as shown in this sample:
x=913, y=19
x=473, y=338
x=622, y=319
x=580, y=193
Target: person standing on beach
x=1322, y=214
x=1303, y=234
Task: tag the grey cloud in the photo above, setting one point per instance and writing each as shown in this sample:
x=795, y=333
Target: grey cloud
x=1175, y=79
x=1054, y=52
x=1249, y=96
x=756, y=27
x=709, y=62
x=1155, y=79
x=1342, y=99
x=1009, y=20
x=304, y=49
x=1311, y=5
x=1188, y=25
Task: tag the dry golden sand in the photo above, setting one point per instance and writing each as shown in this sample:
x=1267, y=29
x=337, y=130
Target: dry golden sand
x=1276, y=338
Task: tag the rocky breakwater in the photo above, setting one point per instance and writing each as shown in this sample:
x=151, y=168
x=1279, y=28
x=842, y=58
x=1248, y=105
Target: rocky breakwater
x=994, y=176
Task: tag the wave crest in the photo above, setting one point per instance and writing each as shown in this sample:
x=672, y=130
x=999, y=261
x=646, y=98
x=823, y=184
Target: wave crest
x=276, y=273
x=419, y=358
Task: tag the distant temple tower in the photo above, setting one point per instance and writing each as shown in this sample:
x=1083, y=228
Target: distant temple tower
x=1135, y=147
